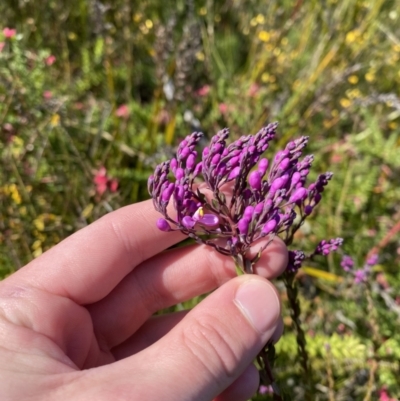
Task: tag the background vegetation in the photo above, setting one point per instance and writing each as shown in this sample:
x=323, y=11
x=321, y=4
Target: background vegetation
x=94, y=94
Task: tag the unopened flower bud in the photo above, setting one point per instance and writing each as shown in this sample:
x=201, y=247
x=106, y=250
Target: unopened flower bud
x=233, y=161
x=216, y=148
x=150, y=184
x=299, y=195
x=308, y=210
x=248, y=212
x=163, y=225
x=179, y=173
x=173, y=165
x=191, y=161
x=243, y=226
x=279, y=183
x=166, y=194
x=255, y=180
x=263, y=166
x=284, y=164
x=296, y=177
x=184, y=153
x=317, y=198
x=234, y=173
x=179, y=193
x=215, y=160
x=269, y=227
x=198, y=169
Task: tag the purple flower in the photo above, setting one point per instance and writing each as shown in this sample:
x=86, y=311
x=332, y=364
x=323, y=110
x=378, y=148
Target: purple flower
x=326, y=247
x=265, y=389
x=372, y=260
x=264, y=199
x=255, y=180
x=163, y=225
x=295, y=260
x=360, y=276
x=347, y=263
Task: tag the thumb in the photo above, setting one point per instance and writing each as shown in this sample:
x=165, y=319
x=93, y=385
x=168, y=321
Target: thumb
x=212, y=346
x=203, y=355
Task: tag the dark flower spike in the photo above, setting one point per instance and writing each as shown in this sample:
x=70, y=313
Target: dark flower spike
x=326, y=247
x=294, y=261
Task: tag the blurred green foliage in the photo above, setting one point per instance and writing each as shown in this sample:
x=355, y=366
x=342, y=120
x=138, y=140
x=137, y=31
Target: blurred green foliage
x=87, y=84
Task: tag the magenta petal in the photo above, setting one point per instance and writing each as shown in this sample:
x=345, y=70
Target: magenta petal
x=209, y=220
x=188, y=222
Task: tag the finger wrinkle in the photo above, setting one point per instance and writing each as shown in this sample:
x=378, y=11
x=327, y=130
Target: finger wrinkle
x=128, y=247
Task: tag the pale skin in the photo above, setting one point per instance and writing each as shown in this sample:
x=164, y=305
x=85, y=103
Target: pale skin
x=77, y=323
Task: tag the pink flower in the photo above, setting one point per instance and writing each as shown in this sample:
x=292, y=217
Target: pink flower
x=223, y=108
x=113, y=185
x=384, y=395
x=103, y=182
x=2, y=44
x=50, y=60
x=47, y=95
x=122, y=111
x=9, y=33
x=253, y=90
x=265, y=389
x=203, y=91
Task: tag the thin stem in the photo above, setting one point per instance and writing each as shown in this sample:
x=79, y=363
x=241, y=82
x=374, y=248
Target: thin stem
x=266, y=374
x=295, y=312
x=372, y=317
x=329, y=373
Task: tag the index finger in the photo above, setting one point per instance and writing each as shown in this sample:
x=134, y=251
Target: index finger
x=86, y=266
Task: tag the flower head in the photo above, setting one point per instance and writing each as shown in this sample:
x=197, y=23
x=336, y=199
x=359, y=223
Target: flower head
x=122, y=111
x=372, y=260
x=103, y=182
x=9, y=33
x=347, y=263
x=50, y=60
x=233, y=194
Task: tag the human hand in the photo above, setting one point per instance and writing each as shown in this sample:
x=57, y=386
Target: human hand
x=76, y=323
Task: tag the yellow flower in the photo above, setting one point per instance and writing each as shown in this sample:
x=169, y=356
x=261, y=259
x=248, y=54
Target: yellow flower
x=370, y=76
x=353, y=79
x=14, y=193
x=352, y=36
x=264, y=36
x=345, y=103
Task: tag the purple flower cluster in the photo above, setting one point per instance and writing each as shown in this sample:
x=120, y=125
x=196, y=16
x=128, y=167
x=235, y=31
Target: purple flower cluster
x=232, y=196
x=326, y=247
x=360, y=275
x=347, y=263
x=295, y=260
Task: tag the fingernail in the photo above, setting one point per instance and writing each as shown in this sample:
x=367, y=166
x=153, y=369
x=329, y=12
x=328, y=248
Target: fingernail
x=259, y=303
